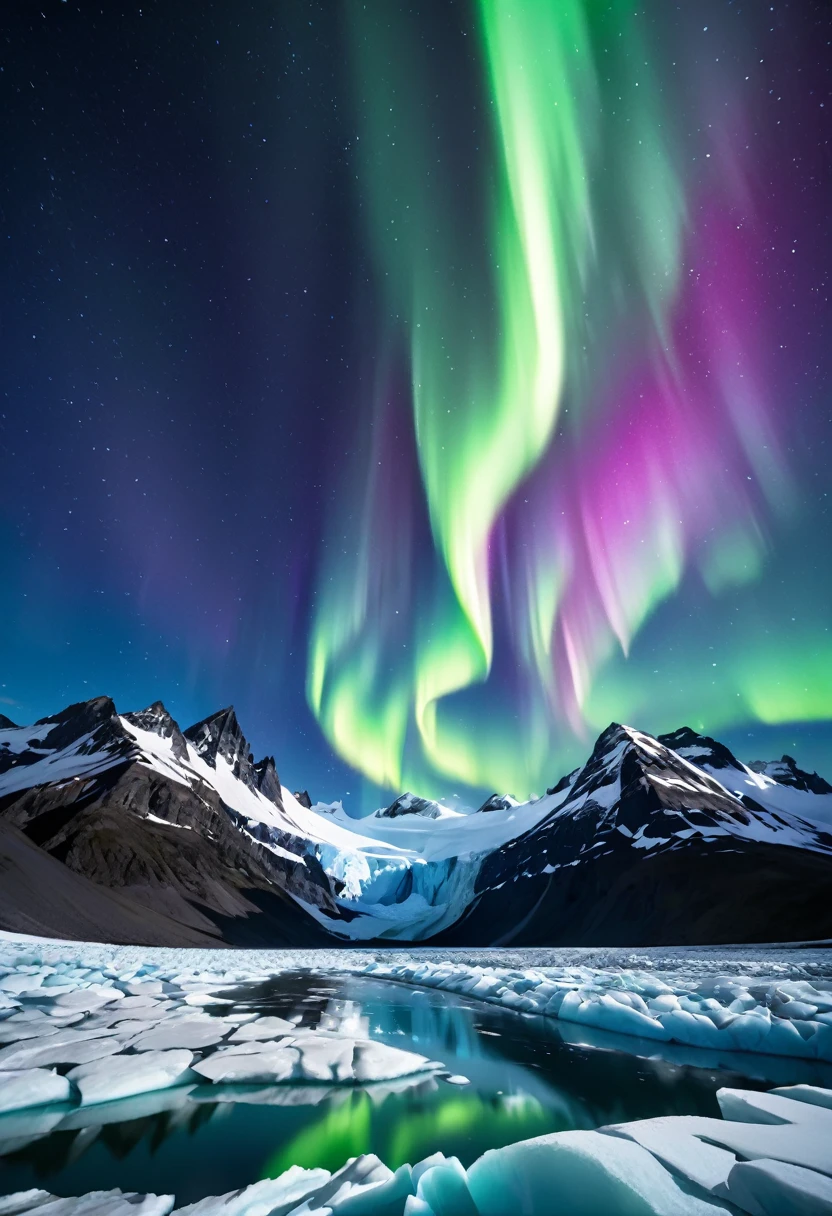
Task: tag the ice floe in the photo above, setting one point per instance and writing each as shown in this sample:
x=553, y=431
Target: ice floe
x=32, y=1087
x=312, y=1056
x=124, y=1076
x=262, y=1028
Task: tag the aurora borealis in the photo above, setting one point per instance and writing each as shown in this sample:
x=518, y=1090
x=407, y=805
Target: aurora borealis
x=440, y=383
x=592, y=407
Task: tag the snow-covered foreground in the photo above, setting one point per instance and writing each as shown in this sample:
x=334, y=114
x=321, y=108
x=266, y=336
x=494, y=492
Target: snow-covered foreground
x=122, y=1022
x=770, y=1155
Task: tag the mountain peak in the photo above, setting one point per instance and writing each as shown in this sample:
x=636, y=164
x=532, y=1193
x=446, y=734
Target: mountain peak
x=6, y=723
x=701, y=749
x=410, y=804
x=157, y=720
x=220, y=735
x=498, y=802
x=785, y=772
x=265, y=777
x=81, y=718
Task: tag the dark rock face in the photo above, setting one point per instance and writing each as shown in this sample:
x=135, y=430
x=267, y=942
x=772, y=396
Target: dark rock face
x=564, y=782
x=140, y=844
x=96, y=718
x=706, y=894
x=267, y=780
x=302, y=796
x=197, y=868
x=6, y=723
x=220, y=735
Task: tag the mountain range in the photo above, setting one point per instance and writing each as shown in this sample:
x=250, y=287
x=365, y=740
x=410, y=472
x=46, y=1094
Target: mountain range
x=125, y=828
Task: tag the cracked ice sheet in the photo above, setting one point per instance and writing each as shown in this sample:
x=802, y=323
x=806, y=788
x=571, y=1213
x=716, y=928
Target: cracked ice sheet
x=727, y=999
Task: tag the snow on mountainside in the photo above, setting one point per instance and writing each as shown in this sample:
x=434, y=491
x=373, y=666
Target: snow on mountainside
x=778, y=785
x=415, y=869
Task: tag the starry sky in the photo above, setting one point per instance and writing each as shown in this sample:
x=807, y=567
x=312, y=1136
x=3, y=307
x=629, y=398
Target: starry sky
x=435, y=381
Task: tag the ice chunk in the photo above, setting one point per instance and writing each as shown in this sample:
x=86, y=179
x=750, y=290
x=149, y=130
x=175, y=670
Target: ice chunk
x=66, y=1047
x=274, y=1063
x=325, y=1059
x=703, y=1164
x=444, y=1190
x=23, y=1201
x=609, y=1014
x=96, y=1203
x=277, y=1195
x=580, y=1173
x=142, y=987
x=18, y=982
x=263, y=1028
x=748, y=1106
x=805, y=1144
x=364, y=1187
x=86, y=1000
x=375, y=1061
x=14, y=1031
x=417, y=1207
x=205, y=998
x=193, y=1032
x=312, y=1056
x=805, y=1093
x=124, y=1076
x=32, y=1087
x=772, y=1188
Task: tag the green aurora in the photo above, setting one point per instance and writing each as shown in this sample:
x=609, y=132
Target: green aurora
x=575, y=308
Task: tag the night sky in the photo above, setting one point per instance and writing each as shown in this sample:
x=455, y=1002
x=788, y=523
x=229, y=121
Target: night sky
x=436, y=381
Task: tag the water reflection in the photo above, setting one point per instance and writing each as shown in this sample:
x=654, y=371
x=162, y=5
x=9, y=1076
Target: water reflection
x=527, y=1076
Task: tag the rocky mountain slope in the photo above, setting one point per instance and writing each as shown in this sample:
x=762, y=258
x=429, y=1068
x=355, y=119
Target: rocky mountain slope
x=126, y=828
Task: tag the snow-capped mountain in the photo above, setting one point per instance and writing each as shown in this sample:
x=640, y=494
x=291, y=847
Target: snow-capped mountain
x=646, y=832
x=778, y=784
x=411, y=804
x=164, y=835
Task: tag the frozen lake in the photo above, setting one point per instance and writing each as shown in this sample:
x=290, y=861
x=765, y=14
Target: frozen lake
x=525, y=1075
